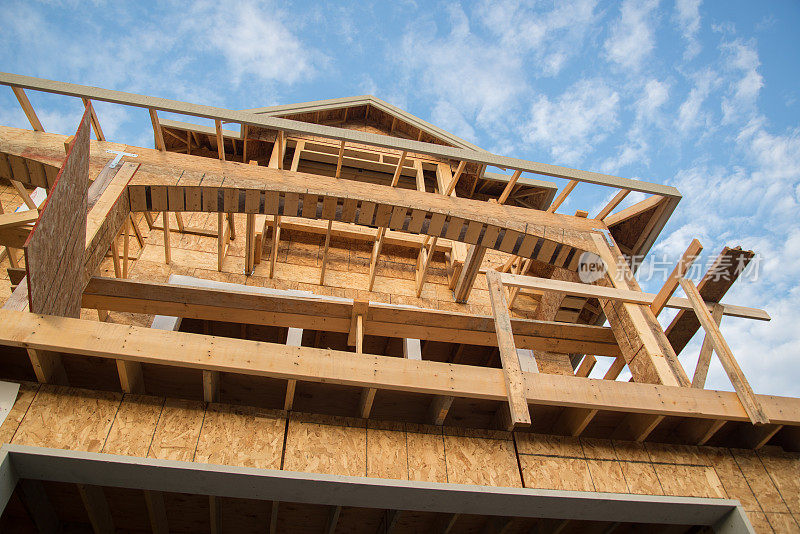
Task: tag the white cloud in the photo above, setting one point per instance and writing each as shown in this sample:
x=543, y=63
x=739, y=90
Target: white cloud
x=255, y=41
x=448, y=117
x=656, y=94
x=690, y=114
x=632, y=36
x=742, y=59
x=568, y=126
x=687, y=13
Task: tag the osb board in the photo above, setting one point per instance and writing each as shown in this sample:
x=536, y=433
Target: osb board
x=474, y=459
x=241, y=435
x=54, y=249
x=178, y=429
x=426, y=454
x=27, y=391
x=325, y=447
x=68, y=418
x=387, y=451
x=132, y=431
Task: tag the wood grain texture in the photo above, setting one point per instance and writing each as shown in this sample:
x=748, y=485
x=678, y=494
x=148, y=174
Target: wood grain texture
x=54, y=249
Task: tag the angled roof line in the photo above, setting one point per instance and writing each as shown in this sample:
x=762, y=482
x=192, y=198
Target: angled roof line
x=352, y=101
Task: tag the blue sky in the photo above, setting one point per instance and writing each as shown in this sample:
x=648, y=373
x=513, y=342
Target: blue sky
x=700, y=95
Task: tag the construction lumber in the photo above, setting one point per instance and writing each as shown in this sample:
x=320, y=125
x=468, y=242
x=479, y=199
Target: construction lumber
x=704, y=359
x=98, y=131
x=94, y=500
x=622, y=295
x=301, y=128
x=678, y=272
x=158, y=134
x=21, y=170
x=719, y=278
x=55, y=248
x=562, y=196
x=22, y=98
x=515, y=381
x=728, y=361
x=117, y=341
x=613, y=203
x=337, y=316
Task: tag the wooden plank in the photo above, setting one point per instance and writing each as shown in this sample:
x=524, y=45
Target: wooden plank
x=22, y=98
x=158, y=134
x=330, y=132
x=745, y=393
x=671, y=284
x=440, y=406
x=619, y=197
x=211, y=386
x=156, y=511
x=230, y=355
x=469, y=272
x=451, y=186
x=55, y=248
x=94, y=500
x=339, y=160
x=98, y=131
x=514, y=379
x=509, y=187
x=325, y=254
x=167, y=241
x=294, y=338
x=220, y=140
x=562, y=196
x=704, y=359
x=333, y=519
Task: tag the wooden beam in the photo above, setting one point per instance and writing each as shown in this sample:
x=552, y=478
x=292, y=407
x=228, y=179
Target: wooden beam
x=215, y=514
x=704, y=359
x=573, y=421
x=420, y=175
x=562, y=196
x=330, y=132
x=451, y=186
x=94, y=500
x=423, y=262
x=250, y=243
x=130, y=376
x=440, y=406
x=158, y=134
x=157, y=511
x=276, y=239
x=37, y=503
x=298, y=152
x=398, y=169
x=619, y=197
x=745, y=393
x=339, y=160
x=294, y=338
x=222, y=240
x=586, y=366
x=273, y=517
x=22, y=98
x=514, y=379
x=509, y=187
x=220, y=140
x=230, y=355
x=469, y=272
x=333, y=520
x=98, y=131
x=615, y=369
x=325, y=254
x=637, y=426
x=167, y=244
x=125, y=246
x=24, y=195
x=671, y=284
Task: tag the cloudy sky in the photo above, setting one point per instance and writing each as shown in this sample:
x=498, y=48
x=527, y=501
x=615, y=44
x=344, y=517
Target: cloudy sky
x=702, y=96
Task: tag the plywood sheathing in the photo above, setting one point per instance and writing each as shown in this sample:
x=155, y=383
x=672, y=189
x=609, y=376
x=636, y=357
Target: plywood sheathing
x=765, y=481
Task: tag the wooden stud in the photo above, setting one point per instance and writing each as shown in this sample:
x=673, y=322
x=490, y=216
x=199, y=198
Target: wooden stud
x=98, y=131
x=273, y=518
x=325, y=253
x=615, y=369
x=339, y=160
x=215, y=514
x=399, y=169
x=671, y=284
x=333, y=518
x=619, y=197
x=167, y=244
x=276, y=238
x=704, y=359
x=586, y=366
x=157, y=511
x=637, y=426
x=24, y=195
x=245, y=133
x=125, y=246
x=222, y=240
x=130, y=376
x=158, y=134
x=94, y=500
x=469, y=272
x=745, y=393
x=220, y=140
x=211, y=386
x=298, y=152
x=19, y=92
x=562, y=196
x=509, y=187
x=439, y=408
x=456, y=177
x=250, y=243
x=294, y=338
x=514, y=379
x=423, y=262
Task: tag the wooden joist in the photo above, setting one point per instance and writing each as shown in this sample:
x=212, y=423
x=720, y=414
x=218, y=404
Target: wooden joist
x=613, y=203
x=678, y=272
x=22, y=98
x=562, y=196
x=514, y=380
x=751, y=404
x=230, y=355
x=135, y=296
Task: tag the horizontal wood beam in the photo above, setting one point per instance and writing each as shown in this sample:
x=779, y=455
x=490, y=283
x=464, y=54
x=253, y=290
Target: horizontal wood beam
x=337, y=316
x=622, y=295
x=297, y=127
x=179, y=349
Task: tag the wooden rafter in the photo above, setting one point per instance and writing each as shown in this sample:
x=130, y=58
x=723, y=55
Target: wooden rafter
x=22, y=98
x=619, y=197
x=158, y=134
x=562, y=196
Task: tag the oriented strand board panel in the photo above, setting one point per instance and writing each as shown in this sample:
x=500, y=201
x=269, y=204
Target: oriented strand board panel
x=136, y=420
x=241, y=436
x=426, y=458
x=485, y=458
x=175, y=437
x=784, y=469
x=68, y=418
x=387, y=451
x=553, y=472
x=321, y=444
x=27, y=391
x=54, y=249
